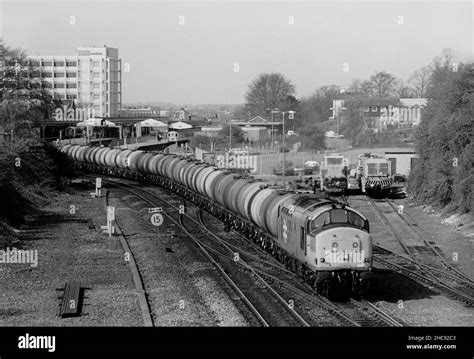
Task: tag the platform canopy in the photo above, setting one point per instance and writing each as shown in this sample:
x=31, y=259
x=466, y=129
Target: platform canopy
x=152, y=123
x=179, y=126
x=95, y=122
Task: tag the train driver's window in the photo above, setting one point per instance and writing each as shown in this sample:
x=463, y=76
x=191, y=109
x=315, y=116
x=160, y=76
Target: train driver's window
x=338, y=216
x=355, y=219
x=320, y=221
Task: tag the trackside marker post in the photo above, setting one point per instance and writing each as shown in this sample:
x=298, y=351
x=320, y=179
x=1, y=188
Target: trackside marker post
x=98, y=187
x=157, y=219
x=110, y=227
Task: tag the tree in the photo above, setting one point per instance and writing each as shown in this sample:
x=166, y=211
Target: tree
x=419, y=80
x=316, y=108
x=355, y=87
x=367, y=88
x=382, y=84
x=269, y=91
x=445, y=173
x=225, y=138
x=24, y=96
x=312, y=136
x=352, y=121
x=403, y=90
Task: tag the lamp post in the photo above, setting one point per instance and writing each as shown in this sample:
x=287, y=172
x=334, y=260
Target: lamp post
x=273, y=110
x=230, y=134
x=292, y=113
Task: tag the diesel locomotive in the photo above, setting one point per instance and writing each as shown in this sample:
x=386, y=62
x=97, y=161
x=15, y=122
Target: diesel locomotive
x=334, y=173
x=373, y=175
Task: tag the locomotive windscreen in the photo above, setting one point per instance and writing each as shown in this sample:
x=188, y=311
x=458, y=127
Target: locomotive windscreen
x=337, y=216
x=334, y=160
x=383, y=169
x=377, y=169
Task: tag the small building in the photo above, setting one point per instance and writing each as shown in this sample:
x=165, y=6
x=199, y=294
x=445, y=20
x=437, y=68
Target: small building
x=254, y=134
x=402, y=162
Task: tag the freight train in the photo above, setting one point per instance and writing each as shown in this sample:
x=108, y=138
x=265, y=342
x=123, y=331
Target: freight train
x=334, y=174
x=373, y=175
x=325, y=242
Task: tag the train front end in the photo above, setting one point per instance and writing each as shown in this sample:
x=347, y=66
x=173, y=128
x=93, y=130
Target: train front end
x=377, y=181
x=341, y=247
x=334, y=173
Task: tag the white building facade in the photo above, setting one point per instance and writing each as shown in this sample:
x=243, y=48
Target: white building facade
x=407, y=114
x=92, y=78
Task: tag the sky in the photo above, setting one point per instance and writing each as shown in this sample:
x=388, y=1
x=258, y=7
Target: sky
x=187, y=52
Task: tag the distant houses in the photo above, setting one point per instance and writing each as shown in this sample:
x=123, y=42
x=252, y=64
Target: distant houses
x=381, y=114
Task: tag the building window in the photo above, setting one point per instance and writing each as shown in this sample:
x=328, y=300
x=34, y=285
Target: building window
x=59, y=86
x=71, y=74
x=58, y=63
x=59, y=74
x=47, y=63
x=71, y=63
x=47, y=74
x=374, y=108
x=96, y=74
x=35, y=63
x=96, y=86
x=71, y=97
x=96, y=96
x=71, y=86
x=95, y=64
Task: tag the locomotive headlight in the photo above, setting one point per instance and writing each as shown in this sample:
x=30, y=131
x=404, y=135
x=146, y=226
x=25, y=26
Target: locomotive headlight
x=322, y=260
x=334, y=245
x=355, y=244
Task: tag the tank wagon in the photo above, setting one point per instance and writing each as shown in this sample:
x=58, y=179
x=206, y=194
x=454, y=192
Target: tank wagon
x=334, y=173
x=325, y=242
x=373, y=175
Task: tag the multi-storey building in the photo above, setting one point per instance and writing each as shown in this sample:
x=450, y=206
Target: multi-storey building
x=92, y=78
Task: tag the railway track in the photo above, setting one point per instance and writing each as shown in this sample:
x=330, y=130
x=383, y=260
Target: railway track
x=267, y=306
x=263, y=271
x=456, y=272
x=447, y=280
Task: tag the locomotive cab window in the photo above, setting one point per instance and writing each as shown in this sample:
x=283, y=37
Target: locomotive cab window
x=355, y=219
x=383, y=169
x=320, y=221
x=338, y=216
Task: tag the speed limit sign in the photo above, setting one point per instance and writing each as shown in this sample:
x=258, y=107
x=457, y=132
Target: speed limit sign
x=157, y=219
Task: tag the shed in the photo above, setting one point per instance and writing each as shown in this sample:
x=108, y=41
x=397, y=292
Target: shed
x=402, y=162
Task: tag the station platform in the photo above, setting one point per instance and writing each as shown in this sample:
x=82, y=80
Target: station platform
x=144, y=144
